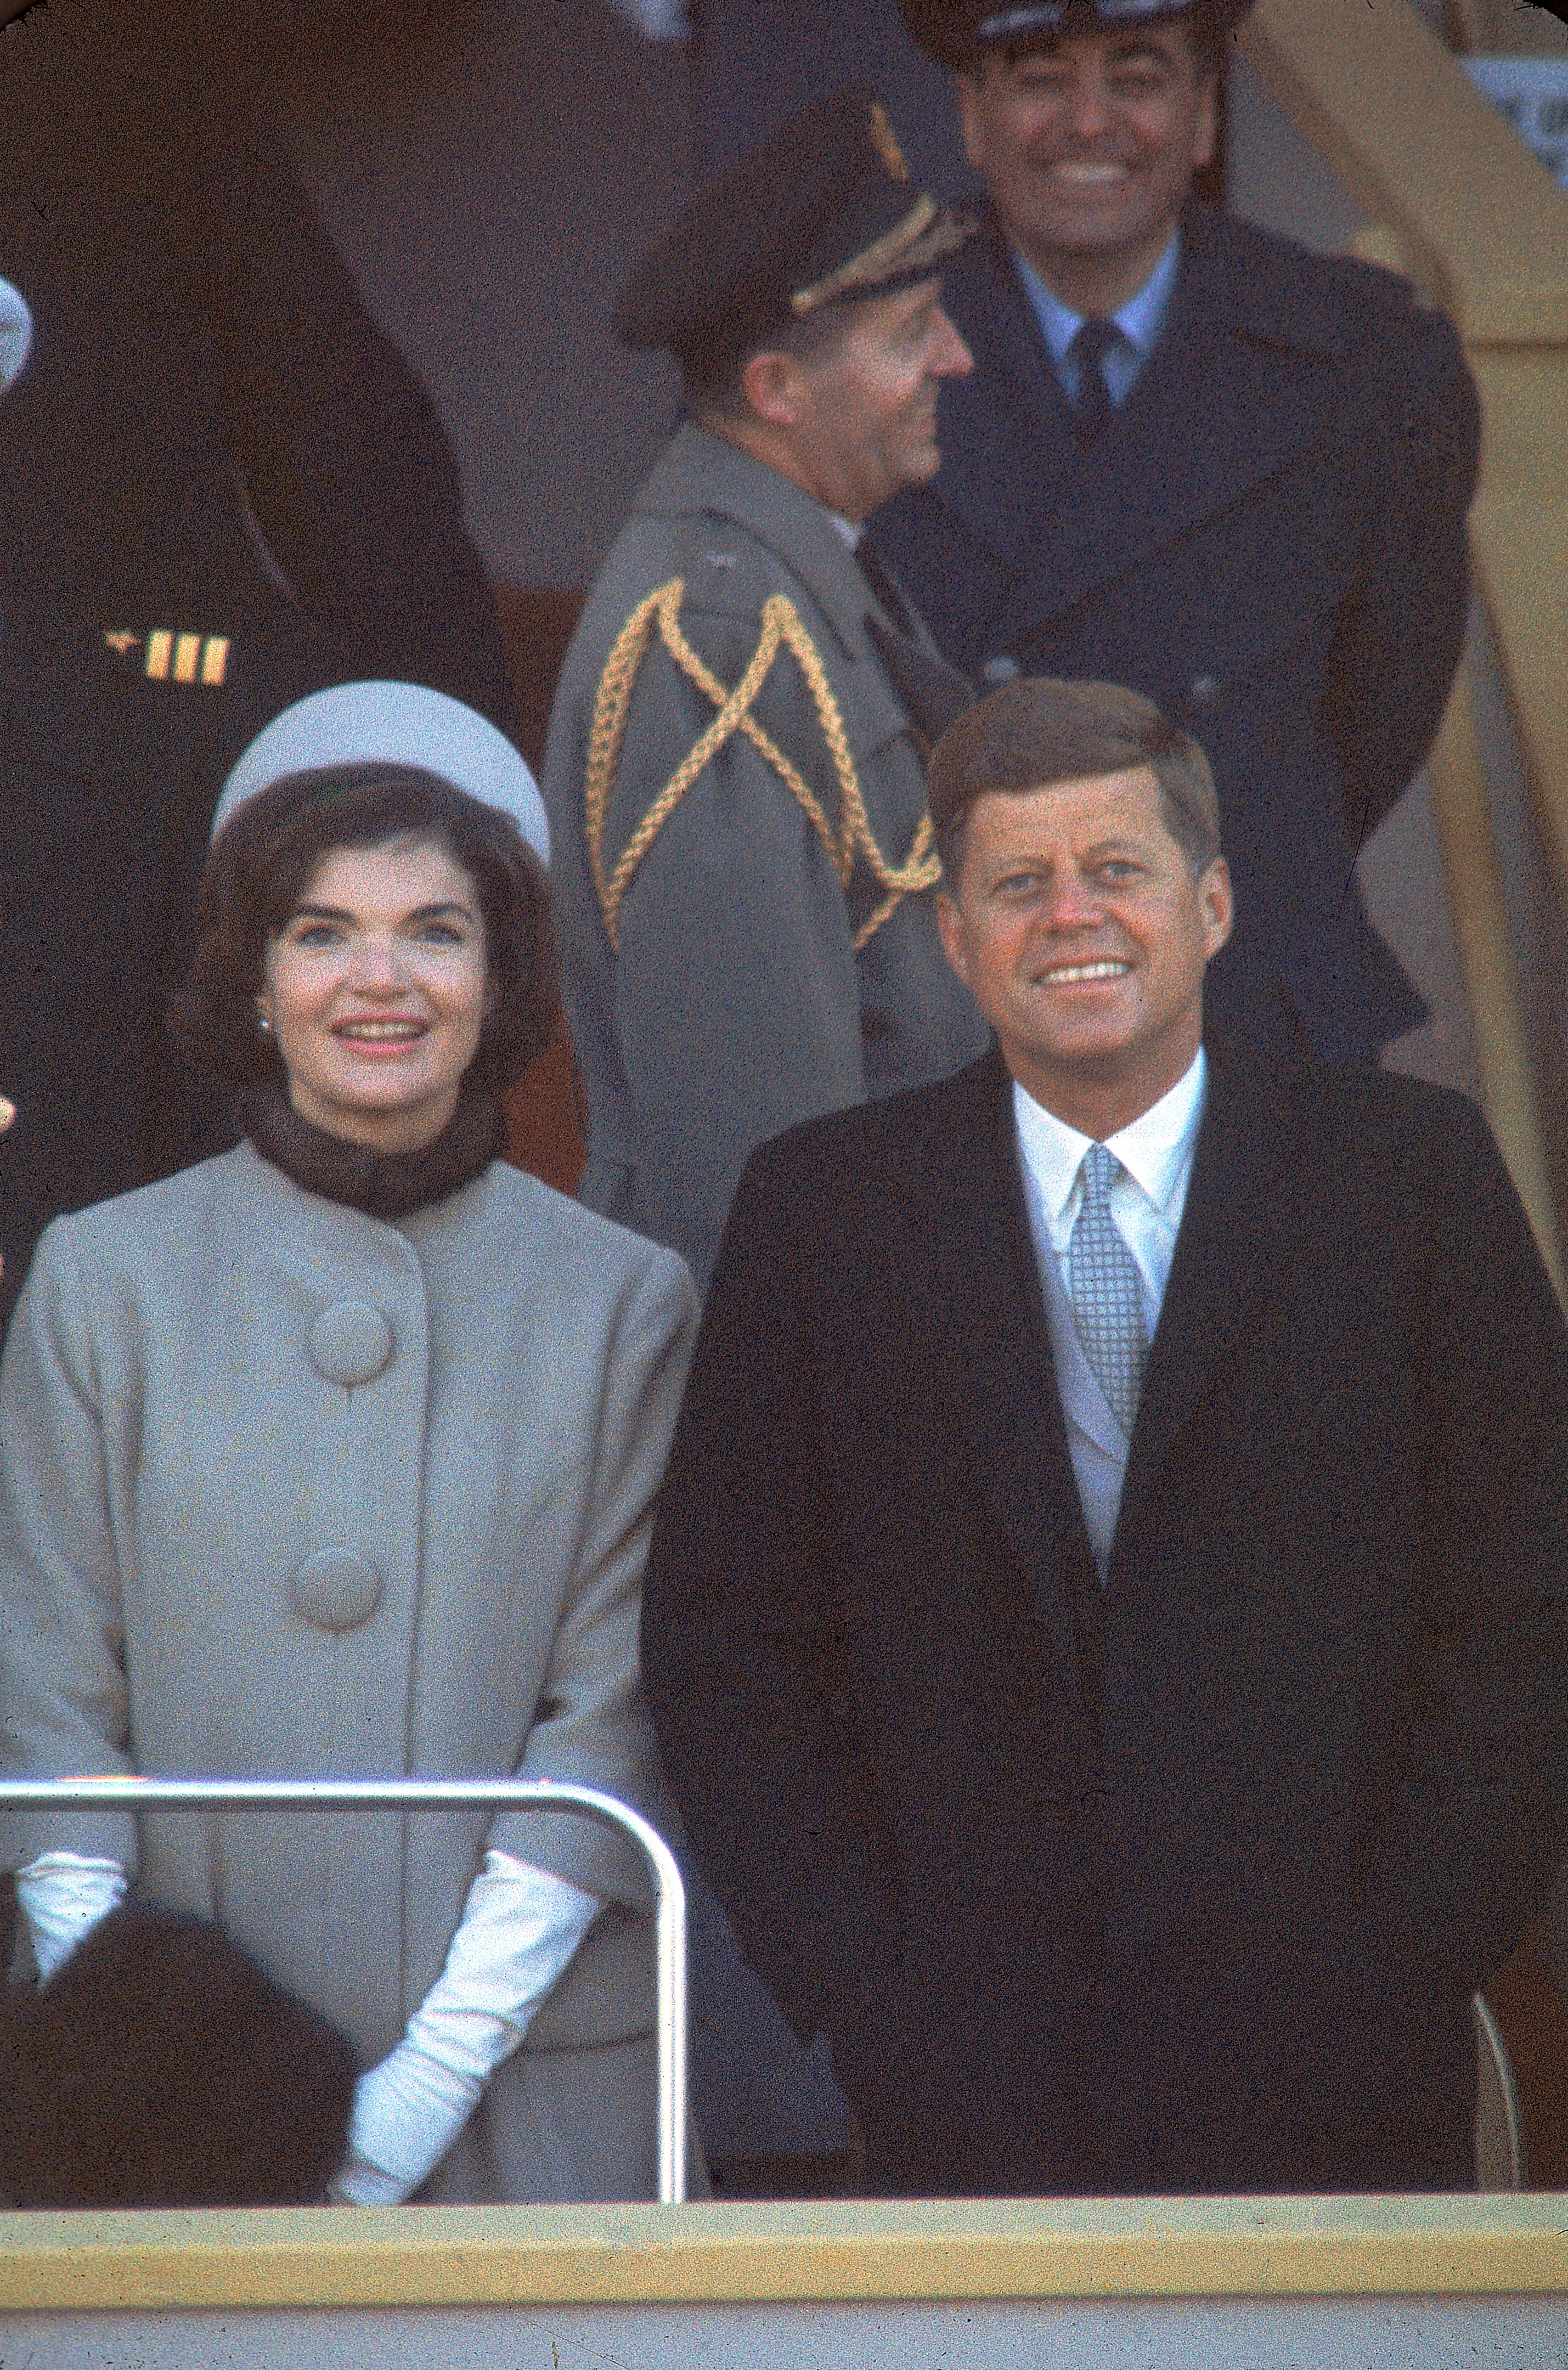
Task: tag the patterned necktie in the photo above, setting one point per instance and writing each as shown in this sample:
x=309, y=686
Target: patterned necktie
x=1092, y=406
x=1104, y=1290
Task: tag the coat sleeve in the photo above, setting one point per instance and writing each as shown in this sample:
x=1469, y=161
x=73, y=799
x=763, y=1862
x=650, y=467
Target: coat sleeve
x=344, y=461
x=64, y=1709
x=1402, y=628
x=591, y=1726
x=1478, y=1819
x=736, y=1002
x=743, y=1644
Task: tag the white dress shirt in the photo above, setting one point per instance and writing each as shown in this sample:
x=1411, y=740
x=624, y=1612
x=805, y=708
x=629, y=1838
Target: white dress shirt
x=1147, y=1201
x=1140, y=321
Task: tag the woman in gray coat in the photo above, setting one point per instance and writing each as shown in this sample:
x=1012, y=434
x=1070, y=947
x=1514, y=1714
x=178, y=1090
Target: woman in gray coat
x=333, y=1457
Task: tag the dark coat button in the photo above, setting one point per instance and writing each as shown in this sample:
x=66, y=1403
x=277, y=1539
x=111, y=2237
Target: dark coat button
x=1202, y=691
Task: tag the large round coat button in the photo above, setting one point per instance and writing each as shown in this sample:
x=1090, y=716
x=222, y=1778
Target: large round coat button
x=337, y=1589
x=350, y=1342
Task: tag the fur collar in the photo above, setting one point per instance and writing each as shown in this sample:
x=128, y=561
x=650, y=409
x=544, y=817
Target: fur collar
x=386, y=1185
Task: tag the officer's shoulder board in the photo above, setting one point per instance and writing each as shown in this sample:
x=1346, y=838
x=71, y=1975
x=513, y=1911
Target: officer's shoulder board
x=171, y=654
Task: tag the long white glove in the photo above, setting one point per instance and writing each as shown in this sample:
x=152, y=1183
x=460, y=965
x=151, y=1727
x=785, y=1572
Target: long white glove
x=63, y=1896
x=662, y=20
x=16, y=342
x=519, y=1929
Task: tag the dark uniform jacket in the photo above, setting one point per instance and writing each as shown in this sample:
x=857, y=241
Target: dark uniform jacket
x=1181, y=1885
x=221, y=487
x=1268, y=540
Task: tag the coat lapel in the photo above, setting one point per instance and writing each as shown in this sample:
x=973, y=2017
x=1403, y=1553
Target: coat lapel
x=1234, y=399
x=1223, y=1260
x=986, y=1322
x=1006, y=433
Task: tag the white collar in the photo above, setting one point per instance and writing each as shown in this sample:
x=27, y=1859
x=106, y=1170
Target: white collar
x=1156, y=1148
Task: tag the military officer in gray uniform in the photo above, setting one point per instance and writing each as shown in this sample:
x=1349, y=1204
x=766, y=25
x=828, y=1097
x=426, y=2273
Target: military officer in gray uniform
x=743, y=860
x=740, y=854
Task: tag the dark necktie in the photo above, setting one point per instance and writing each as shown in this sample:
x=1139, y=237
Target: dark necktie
x=889, y=590
x=1092, y=406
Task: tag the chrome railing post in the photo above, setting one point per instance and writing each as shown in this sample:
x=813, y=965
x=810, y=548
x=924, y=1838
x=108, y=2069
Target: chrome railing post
x=434, y=1794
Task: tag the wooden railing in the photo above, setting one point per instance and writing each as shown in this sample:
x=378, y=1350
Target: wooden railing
x=1462, y=204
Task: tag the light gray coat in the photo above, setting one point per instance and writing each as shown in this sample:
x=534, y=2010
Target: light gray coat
x=183, y=1430
x=736, y=1003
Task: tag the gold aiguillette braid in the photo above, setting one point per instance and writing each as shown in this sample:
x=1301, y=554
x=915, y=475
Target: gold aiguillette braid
x=660, y=611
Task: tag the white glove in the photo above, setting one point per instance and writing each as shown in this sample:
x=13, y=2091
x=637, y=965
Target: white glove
x=519, y=1929
x=662, y=20
x=63, y=1896
x=16, y=343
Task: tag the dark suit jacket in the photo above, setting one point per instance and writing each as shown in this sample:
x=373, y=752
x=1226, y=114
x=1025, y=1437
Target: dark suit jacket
x=1182, y=1886
x=1268, y=541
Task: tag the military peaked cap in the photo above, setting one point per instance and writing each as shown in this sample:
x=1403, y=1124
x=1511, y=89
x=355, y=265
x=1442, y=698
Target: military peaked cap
x=957, y=32
x=824, y=209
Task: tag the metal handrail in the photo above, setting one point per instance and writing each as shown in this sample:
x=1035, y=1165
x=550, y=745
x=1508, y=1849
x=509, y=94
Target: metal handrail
x=435, y=1794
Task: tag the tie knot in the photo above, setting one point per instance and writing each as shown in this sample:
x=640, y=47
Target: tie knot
x=1100, y=1170
x=1092, y=340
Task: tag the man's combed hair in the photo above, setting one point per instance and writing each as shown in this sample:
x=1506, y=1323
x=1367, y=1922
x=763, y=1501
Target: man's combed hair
x=257, y=871
x=711, y=374
x=1039, y=731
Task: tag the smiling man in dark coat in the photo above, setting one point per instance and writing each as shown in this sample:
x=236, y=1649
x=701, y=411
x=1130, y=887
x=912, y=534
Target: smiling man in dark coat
x=1199, y=459
x=1107, y=1623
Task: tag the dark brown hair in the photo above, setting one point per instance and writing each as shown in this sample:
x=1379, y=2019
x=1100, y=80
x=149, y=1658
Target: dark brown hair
x=257, y=870
x=1040, y=731
x=711, y=374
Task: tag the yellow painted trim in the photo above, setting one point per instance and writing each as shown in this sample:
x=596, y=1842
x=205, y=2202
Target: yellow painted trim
x=1475, y=897
x=1414, y=142
x=1486, y=962
x=1521, y=563
x=1459, y=201
x=835, y=2252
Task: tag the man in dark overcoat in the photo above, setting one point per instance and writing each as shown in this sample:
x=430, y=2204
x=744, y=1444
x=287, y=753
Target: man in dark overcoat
x=1107, y=1623
x=1196, y=458
x=221, y=487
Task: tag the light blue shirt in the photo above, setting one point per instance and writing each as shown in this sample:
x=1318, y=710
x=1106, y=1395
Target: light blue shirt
x=1147, y=1201
x=1147, y=1198
x=1140, y=321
